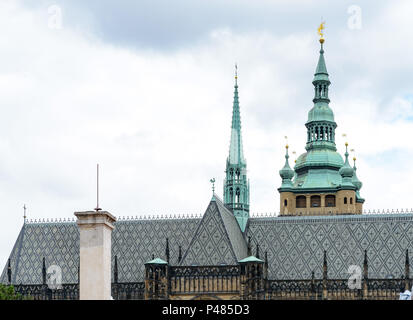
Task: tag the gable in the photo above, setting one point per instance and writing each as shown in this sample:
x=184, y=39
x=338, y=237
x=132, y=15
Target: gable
x=218, y=239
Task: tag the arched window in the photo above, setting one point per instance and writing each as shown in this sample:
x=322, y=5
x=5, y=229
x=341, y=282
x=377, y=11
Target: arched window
x=330, y=200
x=231, y=173
x=345, y=200
x=231, y=195
x=315, y=201
x=237, y=194
x=300, y=202
x=351, y=200
x=285, y=202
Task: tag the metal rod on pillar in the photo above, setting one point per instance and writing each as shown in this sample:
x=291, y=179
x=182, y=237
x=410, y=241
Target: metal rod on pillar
x=97, y=189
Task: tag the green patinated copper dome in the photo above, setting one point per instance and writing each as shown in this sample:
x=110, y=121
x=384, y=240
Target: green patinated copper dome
x=321, y=168
x=319, y=157
x=321, y=112
x=357, y=183
x=346, y=171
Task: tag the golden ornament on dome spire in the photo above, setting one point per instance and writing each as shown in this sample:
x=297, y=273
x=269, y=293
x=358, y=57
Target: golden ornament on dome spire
x=320, y=31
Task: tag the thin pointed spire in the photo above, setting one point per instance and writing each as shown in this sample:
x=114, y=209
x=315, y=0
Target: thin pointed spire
x=167, y=250
x=286, y=173
x=365, y=266
x=346, y=172
x=179, y=254
x=249, y=249
x=236, y=75
x=236, y=185
x=115, y=270
x=236, y=154
x=321, y=70
x=44, y=270
x=9, y=271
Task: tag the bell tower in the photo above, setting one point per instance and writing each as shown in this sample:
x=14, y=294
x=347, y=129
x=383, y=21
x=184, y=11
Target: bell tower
x=321, y=182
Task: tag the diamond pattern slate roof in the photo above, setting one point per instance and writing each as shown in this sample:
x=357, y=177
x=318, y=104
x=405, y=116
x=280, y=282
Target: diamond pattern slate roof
x=218, y=239
x=133, y=242
x=295, y=245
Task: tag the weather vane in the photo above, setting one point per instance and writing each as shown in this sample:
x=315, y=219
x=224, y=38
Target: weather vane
x=286, y=141
x=213, y=184
x=354, y=154
x=320, y=31
x=344, y=135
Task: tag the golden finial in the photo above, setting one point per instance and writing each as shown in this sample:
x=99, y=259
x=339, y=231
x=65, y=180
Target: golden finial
x=346, y=144
x=286, y=146
x=320, y=31
x=354, y=159
x=236, y=72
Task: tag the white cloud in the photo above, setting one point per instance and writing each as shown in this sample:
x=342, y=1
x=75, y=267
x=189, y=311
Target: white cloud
x=159, y=122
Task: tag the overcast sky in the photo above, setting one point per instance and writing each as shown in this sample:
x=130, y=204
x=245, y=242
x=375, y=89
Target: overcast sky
x=145, y=89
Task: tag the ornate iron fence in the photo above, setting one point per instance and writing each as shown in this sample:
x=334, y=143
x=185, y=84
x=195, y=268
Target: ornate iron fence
x=204, y=279
x=120, y=291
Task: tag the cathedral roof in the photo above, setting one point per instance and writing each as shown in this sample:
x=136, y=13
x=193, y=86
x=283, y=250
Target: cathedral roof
x=214, y=239
x=133, y=242
x=295, y=245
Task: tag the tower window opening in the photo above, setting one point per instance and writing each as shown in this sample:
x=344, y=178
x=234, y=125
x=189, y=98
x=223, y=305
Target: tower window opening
x=330, y=200
x=300, y=202
x=231, y=195
x=315, y=201
x=237, y=195
x=351, y=200
x=285, y=202
x=345, y=200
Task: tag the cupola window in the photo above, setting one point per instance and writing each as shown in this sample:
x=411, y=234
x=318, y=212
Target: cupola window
x=330, y=200
x=300, y=202
x=315, y=201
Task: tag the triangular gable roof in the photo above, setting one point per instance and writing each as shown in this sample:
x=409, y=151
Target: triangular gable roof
x=217, y=240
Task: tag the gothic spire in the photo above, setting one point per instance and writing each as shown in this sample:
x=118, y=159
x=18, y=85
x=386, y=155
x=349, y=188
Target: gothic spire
x=236, y=184
x=236, y=154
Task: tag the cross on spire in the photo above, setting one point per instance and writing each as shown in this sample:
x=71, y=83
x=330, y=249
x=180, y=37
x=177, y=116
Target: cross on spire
x=213, y=185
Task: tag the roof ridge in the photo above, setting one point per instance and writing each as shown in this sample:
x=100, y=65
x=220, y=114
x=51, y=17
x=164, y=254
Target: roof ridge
x=226, y=230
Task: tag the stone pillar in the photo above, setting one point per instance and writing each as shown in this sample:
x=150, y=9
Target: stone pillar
x=95, y=228
x=308, y=203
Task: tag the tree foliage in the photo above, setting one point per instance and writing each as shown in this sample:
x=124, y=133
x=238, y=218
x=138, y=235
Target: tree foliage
x=8, y=293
